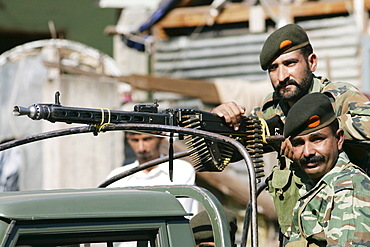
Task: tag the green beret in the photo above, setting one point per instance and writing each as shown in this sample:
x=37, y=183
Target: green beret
x=286, y=39
x=202, y=227
x=312, y=112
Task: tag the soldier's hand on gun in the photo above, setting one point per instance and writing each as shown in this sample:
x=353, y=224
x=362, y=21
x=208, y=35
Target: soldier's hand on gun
x=231, y=112
x=286, y=147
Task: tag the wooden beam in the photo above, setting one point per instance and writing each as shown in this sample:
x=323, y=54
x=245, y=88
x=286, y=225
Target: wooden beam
x=239, y=12
x=204, y=90
x=194, y=16
x=323, y=8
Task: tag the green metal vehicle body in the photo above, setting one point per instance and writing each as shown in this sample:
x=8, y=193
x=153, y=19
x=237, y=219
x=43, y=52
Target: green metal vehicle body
x=146, y=216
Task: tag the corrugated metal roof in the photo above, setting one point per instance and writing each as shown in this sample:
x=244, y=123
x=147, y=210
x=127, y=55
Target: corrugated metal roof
x=233, y=56
x=335, y=40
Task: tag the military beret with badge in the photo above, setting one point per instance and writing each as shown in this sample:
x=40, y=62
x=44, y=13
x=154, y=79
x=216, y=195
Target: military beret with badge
x=284, y=40
x=312, y=112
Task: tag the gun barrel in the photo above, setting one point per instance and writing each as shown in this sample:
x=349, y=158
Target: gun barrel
x=19, y=111
x=35, y=111
x=59, y=113
x=29, y=111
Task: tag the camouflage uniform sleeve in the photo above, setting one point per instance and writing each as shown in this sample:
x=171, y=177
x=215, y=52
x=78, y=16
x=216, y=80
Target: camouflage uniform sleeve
x=338, y=215
x=353, y=110
x=349, y=222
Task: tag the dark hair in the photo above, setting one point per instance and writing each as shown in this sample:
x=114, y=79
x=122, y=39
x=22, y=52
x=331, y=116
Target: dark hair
x=306, y=50
x=154, y=133
x=334, y=126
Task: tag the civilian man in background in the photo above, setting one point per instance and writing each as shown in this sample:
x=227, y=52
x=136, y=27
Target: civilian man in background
x=146, y=148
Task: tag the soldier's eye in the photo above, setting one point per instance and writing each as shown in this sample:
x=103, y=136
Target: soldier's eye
x=296, y=142
x=272, y=67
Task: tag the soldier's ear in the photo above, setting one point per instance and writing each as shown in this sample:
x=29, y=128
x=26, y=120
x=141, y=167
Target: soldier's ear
x=340, y=138
x=312, y=62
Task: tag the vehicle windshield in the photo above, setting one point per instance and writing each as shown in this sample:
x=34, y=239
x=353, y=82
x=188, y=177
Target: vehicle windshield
x=143, y=238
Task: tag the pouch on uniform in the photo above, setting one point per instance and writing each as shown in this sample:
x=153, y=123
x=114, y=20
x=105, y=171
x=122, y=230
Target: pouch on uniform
x=283, y=187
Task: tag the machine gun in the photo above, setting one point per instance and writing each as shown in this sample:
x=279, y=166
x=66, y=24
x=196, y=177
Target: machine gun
x=206, y=155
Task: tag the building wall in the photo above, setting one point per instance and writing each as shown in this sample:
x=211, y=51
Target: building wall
x=76, y=161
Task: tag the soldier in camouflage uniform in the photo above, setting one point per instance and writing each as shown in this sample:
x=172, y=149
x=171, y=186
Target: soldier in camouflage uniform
x=334, y=206
x=288, y=57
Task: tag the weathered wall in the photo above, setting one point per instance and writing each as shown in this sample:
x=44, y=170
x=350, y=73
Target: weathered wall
x=82, y=160
x=77, y=161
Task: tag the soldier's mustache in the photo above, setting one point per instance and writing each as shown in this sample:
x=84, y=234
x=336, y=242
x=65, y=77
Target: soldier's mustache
x=286, y=82
x=312, y=159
